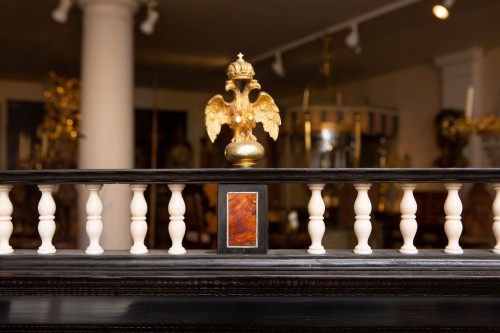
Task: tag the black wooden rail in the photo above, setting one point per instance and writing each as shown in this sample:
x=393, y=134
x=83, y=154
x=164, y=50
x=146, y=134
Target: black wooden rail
x=283, y=291
x=249, y=176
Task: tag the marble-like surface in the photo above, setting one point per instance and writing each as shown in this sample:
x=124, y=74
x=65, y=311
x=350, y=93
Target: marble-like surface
x=242, y=219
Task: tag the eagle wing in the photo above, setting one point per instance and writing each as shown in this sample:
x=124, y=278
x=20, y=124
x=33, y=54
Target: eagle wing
x=217, y=113
x=267, y=112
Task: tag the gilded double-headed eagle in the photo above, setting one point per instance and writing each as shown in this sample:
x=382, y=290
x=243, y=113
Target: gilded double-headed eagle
x=241, y=114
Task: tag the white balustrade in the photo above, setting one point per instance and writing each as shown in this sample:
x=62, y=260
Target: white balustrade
x=94, y=219
x=138, y=226
x=6, y=226
x=316, y=226
x=496, y=218
x=47, y=225
x=176, y=227
x=362, y=224
x=408, y=224
x=453, y=224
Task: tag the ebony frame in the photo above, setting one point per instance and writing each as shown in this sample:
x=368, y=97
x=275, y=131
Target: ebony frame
x=222, y=221
x=283, y=291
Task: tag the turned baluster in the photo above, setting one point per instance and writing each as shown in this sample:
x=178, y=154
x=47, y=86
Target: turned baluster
x=94, y=219
x=362, y=224
x=496, y=218
x=5, y=219
x=47, y=225
x=453, y=225
x=138, y=226
x=176, y=227
x=408, y=224
x=316, y=226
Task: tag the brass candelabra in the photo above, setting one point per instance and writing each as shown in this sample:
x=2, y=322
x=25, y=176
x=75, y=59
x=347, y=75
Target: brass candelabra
x=58, y=132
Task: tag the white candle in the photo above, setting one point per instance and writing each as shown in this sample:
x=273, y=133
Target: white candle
x=45, y=144
x=28, y=147
x=470, y=102
x=20, y=146
x=24, y=146
x=305, y=99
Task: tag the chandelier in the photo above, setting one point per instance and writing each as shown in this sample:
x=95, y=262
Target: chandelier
x=333, y=132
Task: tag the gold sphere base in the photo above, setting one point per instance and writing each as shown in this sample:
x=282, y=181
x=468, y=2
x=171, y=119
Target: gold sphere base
x=244, y=154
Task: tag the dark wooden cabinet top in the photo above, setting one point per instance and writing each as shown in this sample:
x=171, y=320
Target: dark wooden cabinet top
x=285, y=290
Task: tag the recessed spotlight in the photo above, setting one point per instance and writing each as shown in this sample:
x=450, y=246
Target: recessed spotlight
x=442, y=11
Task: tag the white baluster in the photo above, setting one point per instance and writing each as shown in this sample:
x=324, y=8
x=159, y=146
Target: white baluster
x=453, y=225
x=408, y=224
x=316, y=226
x=94, y=219
x=362, y=225
x=47, y=225
x=176, y=227
x=5, y=219
x=496, y=218
x=138, y=226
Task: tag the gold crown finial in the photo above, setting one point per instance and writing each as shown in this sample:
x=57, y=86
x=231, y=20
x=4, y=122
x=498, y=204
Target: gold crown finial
x=240, y=69
x=242, y=115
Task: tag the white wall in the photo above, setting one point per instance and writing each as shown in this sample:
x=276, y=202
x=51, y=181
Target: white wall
x=490, y=84
x=490, y=74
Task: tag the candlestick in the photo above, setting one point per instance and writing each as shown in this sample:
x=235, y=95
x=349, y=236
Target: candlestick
x=305, y=99
x=470, y=102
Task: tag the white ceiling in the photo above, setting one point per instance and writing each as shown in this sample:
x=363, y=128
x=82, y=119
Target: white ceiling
x=195, y=40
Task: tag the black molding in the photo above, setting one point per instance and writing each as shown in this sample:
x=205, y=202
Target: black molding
x=285, y=290
x=229, y=328
x=248, y=176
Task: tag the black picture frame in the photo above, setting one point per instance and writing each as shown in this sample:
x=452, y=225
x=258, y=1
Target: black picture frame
x=261, y=236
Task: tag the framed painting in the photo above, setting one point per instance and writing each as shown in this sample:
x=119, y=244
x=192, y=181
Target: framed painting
x=242, y=219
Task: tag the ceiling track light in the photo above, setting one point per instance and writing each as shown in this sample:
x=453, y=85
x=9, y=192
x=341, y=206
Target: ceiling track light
x=148, y=25
x=352, y=39
x=337, y=27
x=61, y=12
x=277, y=65
x=442, y=11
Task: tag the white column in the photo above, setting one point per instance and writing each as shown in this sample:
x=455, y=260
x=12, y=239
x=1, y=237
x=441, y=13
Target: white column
x=316, y=226
x=6, y=227
x=138, y=226
x=47, y=225
x=362, y=225
x=107, y=139
x=496, y=218
x=453, y=224
x=176, y=227
x=408, y=224
x=94, y=219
